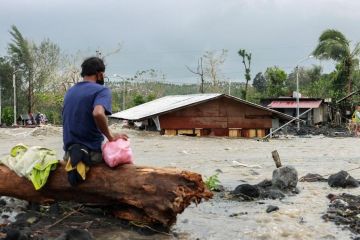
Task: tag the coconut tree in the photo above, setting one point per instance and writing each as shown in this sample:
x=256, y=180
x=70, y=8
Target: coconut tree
x=334, y=45
x=20, y=55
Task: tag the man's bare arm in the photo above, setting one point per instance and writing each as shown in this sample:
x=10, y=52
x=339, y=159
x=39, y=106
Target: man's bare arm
x=101, y=123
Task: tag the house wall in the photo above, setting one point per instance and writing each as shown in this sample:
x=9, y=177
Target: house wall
x=320, y=114
x=218, y=115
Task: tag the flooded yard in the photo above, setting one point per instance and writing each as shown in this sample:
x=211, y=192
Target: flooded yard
x=237, y=161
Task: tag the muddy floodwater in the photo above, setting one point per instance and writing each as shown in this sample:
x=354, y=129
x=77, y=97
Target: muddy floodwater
x=238, y=161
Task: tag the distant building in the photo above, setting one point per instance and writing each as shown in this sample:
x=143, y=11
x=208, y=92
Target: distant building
x=288, y=105
x=205, y=115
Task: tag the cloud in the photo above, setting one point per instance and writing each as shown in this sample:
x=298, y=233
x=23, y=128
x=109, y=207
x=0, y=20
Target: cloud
x=169, y=34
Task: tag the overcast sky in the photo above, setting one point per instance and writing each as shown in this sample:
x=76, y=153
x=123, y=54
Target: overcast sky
x=167, y=35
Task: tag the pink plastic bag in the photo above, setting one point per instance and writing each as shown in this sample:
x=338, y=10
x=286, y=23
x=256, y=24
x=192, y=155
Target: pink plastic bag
x=117, y=152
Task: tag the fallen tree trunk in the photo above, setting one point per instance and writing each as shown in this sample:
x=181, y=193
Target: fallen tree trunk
x=142, y=194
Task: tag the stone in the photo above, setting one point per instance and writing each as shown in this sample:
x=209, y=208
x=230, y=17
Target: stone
x=285, y=178
x=272, y=208
x=272, y=194
x=265, y=183
x=342, y=179
x=247, y=190
x=2, y=202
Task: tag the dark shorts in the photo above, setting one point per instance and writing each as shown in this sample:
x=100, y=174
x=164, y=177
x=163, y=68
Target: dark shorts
x=95, y=157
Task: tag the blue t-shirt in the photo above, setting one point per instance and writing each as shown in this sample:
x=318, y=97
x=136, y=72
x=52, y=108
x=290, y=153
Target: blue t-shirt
x=78, y=122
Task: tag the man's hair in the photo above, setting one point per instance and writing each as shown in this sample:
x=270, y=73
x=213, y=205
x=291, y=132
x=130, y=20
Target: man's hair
x=92, y=66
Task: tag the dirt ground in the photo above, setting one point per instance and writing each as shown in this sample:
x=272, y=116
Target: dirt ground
x=238, y=161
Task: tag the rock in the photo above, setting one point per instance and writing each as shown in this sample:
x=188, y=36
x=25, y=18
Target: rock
x=272, y=208
x=342, y=179
x=2, y=202
x=285, y=178
x=265, y=184
x=218, y=170
x=272, y=194
x=12, y=234
x=247, y=190
x=75, y=234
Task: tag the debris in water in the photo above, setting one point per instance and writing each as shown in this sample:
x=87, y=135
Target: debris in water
x=344, y=210
x=238, y=164
x=312, y=177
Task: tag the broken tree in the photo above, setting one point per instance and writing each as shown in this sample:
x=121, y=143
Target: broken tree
x=143, y=194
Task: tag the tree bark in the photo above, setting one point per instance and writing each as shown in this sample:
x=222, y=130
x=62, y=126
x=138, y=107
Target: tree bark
x=143, y=194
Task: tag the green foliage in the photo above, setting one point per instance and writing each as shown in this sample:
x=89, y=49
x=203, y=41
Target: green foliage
x=7, y=115
x=38, y=64
x=259, y=83
x=50, y=104
x=212, y=182
x=246, y=60
x=276, y=78
x=151, y=97
x=138, y=100
x=334, y=45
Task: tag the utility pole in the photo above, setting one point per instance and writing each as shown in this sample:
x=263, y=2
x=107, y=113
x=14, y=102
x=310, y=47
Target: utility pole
x=297, y=99
x=14, y=86
x=297, y=90
x=0, y=101
x=229, y=87
x=124, y=91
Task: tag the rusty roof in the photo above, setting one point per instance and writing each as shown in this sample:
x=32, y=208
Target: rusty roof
x=293, y=104
x=174, y=102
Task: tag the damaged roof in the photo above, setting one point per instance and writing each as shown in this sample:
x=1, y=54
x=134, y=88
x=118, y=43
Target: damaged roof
x=174, y=102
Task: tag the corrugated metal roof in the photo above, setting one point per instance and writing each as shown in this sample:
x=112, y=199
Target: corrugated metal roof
x=293, y=104
x=170, y=103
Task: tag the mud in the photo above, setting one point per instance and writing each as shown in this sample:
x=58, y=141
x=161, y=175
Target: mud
x=237, y=161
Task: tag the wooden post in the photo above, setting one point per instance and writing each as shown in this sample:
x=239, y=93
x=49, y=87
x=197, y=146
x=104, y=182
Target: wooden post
x=276, y=158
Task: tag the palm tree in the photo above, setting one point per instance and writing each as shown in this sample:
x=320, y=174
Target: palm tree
x=334, y=45
x=20, y=54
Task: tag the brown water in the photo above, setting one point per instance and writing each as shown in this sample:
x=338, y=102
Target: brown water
x=299, y=216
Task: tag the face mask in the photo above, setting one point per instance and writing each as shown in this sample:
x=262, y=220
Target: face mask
x=100, y=80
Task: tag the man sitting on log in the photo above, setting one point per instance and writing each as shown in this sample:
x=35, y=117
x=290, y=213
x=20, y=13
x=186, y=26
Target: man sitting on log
x=86, y=106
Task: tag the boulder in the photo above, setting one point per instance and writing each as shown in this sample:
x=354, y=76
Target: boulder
x=247, y=190
x=285, y=178
x=342, y=179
